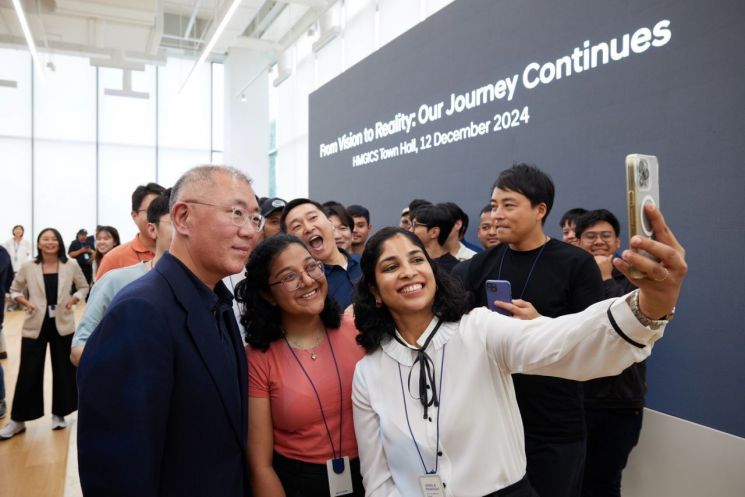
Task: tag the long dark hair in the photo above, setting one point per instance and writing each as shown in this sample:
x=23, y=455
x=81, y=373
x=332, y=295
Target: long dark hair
x=60, y=246
x=263, y=321
x=375, y=324
x=114, y=234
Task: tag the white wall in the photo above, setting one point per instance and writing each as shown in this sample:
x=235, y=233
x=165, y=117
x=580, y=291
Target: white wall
x=247, y=123
x=677, y=458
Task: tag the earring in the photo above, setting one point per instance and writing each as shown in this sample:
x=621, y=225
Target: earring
x=378, y=303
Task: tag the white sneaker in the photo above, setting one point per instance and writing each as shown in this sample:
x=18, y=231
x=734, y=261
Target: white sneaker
x=58, y=422
x=12, y=429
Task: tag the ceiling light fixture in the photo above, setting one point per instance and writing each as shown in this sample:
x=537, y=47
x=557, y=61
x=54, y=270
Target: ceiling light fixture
x=29, y=38
x=210, y=45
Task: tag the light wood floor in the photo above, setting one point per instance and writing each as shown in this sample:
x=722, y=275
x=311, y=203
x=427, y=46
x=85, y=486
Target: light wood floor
x=34, y=463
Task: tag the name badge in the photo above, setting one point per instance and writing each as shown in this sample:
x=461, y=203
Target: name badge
x=431, y=486
x=340, y=476
x=52, y=310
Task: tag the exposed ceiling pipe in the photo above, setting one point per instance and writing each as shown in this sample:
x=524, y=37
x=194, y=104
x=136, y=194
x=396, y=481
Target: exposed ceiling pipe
x=192, y=19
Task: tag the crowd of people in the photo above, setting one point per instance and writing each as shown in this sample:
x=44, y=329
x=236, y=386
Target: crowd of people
x=361, y=362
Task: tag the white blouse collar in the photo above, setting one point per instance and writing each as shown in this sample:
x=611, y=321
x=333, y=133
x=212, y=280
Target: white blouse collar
x=405, y=354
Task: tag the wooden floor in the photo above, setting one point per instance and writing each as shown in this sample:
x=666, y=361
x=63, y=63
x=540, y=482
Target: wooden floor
x=34, y=463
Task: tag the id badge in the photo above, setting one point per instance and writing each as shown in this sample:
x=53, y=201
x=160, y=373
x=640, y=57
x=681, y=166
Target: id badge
x=431, y=486
x=52, y=310
x=340, y=476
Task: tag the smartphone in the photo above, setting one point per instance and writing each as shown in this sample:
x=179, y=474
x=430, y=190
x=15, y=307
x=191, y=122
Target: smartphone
x=498, y=290
x=642, y=187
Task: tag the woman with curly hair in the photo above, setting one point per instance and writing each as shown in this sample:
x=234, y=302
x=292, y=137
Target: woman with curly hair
x=434, y=404
x=302, y=355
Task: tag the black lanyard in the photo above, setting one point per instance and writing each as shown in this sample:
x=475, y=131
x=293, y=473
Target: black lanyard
x=320, y=405
x=532, y=267
x=406, y=410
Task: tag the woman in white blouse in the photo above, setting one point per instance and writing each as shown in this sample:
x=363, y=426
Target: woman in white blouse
x=434, y=405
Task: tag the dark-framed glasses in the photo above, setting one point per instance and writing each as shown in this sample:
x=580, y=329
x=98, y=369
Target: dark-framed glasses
x=591, y=236
x=293, y=280
x=238, y=215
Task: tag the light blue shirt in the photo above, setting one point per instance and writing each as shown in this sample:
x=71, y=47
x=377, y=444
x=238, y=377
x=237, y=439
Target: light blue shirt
x=101, y=296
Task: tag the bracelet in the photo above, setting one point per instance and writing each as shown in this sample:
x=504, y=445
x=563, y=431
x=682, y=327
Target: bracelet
x=653, y=324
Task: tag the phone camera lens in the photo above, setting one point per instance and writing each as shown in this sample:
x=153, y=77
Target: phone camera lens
x=643, y=174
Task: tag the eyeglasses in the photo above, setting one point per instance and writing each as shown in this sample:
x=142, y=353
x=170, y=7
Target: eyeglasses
x=591, y=236
x=293, y=280
x=416, y=223
x=238, y=216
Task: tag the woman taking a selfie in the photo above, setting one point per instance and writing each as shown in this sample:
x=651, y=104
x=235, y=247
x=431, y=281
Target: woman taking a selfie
x=302, y=355
x=434, y=405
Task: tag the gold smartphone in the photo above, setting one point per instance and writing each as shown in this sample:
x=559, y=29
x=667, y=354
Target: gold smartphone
x=642, y=187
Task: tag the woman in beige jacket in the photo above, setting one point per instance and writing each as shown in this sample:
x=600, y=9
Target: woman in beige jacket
x=44, y=287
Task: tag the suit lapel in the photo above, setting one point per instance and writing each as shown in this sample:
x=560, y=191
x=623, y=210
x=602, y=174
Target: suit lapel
x=201, y=326
x=38, y=276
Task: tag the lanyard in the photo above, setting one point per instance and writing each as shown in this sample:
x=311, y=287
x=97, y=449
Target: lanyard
x=315, y=390
x=532, y=267
x=406, y=411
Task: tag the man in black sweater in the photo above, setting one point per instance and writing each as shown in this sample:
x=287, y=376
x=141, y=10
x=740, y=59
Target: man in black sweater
x=613, y=405
x=552, y=278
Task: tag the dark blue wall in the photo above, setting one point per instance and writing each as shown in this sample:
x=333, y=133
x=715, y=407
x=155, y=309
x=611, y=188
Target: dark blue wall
x=684, y=102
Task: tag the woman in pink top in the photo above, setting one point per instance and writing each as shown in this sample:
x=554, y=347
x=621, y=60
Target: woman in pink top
x=302, y=354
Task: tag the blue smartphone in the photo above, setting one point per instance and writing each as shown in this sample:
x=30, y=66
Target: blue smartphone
x=498, y=290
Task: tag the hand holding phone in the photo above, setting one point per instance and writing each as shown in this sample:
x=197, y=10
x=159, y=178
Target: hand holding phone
x=642, y=186
x=498, y=290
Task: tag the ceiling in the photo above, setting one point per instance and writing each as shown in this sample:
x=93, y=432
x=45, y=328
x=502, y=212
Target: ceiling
x=129, y=33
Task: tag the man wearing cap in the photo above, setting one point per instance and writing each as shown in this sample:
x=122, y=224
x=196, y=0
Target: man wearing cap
x=271, y=209
x=81, y=249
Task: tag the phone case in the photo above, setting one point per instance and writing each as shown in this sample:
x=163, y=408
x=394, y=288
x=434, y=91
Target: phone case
x=643, y=187
x=498, y=290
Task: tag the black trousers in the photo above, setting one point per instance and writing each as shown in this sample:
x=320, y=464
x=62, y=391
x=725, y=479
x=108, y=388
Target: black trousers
x=303, y=479
x=611, y=434
x=555, y=468
x=28, y=401
x=519, y=489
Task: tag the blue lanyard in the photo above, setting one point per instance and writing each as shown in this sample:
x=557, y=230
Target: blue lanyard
x=532, y=267
x=318, y=397
x=439, y=408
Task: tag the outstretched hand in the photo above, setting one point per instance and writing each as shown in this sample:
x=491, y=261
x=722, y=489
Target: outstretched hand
x=660, y=287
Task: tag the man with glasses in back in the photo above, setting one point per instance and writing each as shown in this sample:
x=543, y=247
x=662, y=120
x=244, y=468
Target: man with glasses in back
x=614, y=405
x=163, y=382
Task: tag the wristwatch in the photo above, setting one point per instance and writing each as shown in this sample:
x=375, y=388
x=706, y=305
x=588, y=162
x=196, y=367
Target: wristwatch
x=653, y=324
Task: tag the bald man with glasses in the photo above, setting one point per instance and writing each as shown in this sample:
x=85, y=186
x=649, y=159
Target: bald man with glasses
x=163, y=382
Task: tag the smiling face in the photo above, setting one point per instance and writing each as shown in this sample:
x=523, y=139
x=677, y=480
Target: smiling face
x=208, y=239
x=404, y=280
x=342, y=233
x=104, y=241
x=487, y=233
x=312, y=226
x=600, y=239
x=517, y=220
x=48, y=243
x=308, y=299
x=361, y=230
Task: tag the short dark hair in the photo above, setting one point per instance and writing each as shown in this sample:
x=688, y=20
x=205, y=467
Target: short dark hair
x=487, y=208
x=590, y=218
x=376, y=325
x=60, y=249
x=143, y=191
x=436, y=216
x=291, y=205
x=339, y=211
x=530, y=181
x=571, y=216
x=458, y=214
x=262, y=320
x=417, y=203
x=355, y=210
x=159, y=207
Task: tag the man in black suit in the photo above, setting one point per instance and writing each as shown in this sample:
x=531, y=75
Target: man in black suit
x=163, y=409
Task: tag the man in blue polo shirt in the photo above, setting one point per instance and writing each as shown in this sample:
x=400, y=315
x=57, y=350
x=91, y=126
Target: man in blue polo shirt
x=305, y=219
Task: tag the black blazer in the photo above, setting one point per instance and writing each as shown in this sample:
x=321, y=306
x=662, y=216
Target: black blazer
x=160, y=413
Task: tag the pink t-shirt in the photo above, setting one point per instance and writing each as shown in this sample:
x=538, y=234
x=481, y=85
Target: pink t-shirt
x=299, y=432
